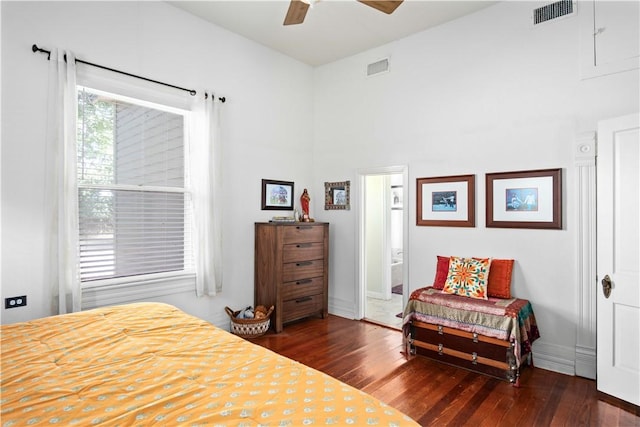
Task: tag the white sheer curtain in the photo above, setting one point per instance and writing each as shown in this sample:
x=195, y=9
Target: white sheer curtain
x=61, y=191
x=206, y=183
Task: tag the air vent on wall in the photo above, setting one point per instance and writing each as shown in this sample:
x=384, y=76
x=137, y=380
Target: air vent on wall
x=553, y=11
x=378, y=67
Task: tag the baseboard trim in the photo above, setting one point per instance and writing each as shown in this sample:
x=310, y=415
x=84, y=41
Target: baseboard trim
x=342, y=308
x=376, y=295
x=554, y=358
x=586, y=362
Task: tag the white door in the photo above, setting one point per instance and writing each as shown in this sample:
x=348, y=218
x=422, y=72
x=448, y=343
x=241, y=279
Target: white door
x=618, y=258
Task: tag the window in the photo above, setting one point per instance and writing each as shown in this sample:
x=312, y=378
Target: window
x=134, y=207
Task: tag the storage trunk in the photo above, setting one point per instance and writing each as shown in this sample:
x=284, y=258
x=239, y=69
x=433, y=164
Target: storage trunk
x=466, y=350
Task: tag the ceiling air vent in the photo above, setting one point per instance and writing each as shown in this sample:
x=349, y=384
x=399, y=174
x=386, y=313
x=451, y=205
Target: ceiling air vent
x=553, y=11
x=378, y=67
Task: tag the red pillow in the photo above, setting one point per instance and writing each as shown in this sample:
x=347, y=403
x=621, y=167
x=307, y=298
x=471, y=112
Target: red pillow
x=442, y=271
x=500, y=278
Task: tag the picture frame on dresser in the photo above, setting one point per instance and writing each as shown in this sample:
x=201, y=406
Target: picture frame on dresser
x=446, y=201
x=524, y=199
x=277, y=195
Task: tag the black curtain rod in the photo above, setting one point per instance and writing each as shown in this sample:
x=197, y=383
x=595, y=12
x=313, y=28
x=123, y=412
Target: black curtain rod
x=192, y=92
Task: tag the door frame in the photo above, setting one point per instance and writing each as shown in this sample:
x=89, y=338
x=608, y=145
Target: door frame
x=585, y=166
x=361, y=288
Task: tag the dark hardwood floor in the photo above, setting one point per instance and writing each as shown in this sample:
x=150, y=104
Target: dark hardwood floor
x=370, y=357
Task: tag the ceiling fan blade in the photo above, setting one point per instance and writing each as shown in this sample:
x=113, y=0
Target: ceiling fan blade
x=296, y=13
x=386, y=6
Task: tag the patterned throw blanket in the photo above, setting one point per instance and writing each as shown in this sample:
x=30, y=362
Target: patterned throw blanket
x=150, y=364
x=506, y=319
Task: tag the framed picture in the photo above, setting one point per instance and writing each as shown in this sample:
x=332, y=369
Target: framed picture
x=337, y=195
x=277, y=195
x=525, y=199
x=446, y=201
x=396, y=197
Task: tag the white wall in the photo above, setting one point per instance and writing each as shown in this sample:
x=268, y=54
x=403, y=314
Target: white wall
x=484, y=93
x=266, y=125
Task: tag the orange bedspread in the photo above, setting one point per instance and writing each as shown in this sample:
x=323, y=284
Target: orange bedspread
x=152, y=364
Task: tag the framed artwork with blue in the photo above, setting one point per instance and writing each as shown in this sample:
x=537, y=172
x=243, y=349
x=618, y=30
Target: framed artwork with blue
x=447, y=201
x=524, y=199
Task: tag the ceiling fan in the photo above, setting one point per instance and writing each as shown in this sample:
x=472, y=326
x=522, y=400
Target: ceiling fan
x=298, y=8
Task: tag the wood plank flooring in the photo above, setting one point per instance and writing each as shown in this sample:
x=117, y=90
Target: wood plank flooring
x=370, y=357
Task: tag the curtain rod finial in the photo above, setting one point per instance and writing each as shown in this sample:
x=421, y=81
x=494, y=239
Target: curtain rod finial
x=35, y=48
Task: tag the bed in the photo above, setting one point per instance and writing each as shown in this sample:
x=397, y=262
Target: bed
x=491, y=335
x=152, y=364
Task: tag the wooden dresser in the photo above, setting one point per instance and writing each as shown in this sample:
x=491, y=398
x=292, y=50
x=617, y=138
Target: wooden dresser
x=292, y=270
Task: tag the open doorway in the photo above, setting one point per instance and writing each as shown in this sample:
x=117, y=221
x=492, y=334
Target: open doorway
x=383, y=268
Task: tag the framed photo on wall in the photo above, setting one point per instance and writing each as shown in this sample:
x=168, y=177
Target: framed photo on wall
x=277, y=195
x=396, y=197
x=525, y=199
x=447, y=201
x=337, y=195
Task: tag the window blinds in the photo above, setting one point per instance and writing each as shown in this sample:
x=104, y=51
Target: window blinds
x=134, y=212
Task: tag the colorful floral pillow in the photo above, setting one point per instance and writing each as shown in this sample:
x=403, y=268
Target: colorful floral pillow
x=468, y=277
x=442, y=271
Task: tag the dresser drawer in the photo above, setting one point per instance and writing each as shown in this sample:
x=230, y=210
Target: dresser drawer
x=302, y=307
x=293, y=271
x=302, y=252
x=302, y=234
x=302, y=288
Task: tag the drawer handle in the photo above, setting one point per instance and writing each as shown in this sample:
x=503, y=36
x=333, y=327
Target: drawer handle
x=305, y=299
x=304, y=227
x=303, y=264
x=303, y=245
x=303, y=282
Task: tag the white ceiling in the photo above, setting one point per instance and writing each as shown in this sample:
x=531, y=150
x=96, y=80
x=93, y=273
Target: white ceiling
x=333, y=29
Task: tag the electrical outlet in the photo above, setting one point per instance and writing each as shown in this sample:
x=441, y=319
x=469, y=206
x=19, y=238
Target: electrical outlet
x=14, y=302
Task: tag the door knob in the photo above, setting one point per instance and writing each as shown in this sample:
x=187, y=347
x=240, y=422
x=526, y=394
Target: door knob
x=606, y=286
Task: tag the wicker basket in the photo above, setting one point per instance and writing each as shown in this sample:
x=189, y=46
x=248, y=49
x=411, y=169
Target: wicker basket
x=249, y=328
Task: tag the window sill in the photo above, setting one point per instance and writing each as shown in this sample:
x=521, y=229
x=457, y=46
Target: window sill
x=99, y=295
